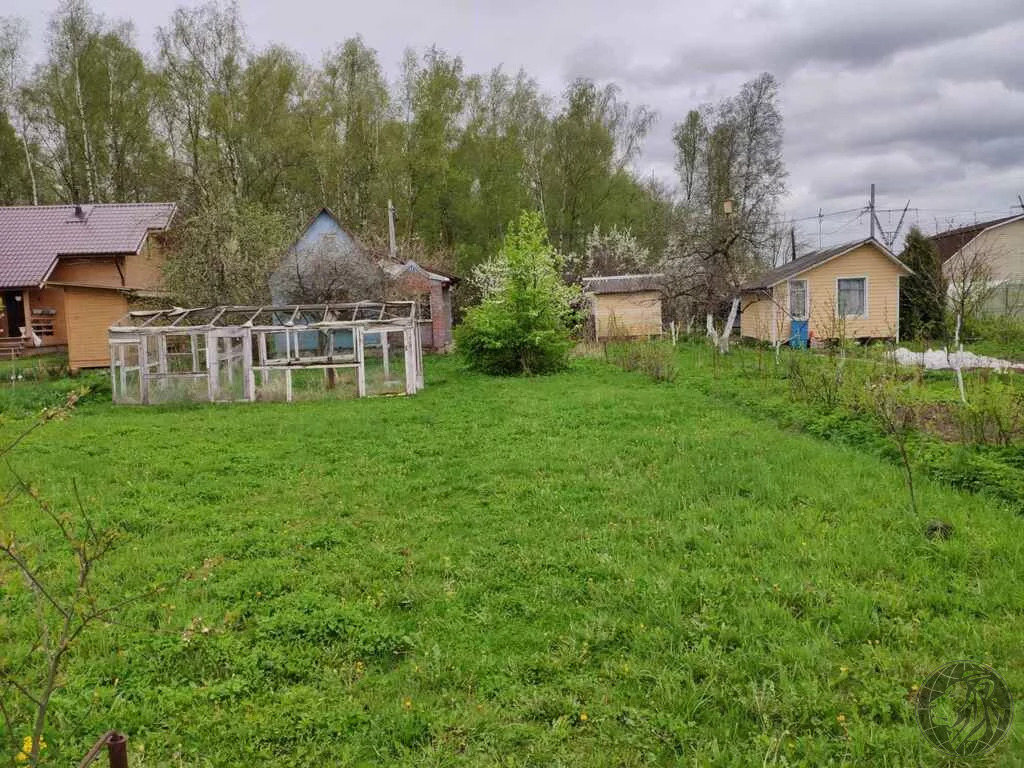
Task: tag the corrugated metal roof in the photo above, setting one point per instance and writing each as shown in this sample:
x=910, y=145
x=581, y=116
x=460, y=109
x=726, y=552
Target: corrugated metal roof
x=813, y=259
x=32, y=237
x=623, y=283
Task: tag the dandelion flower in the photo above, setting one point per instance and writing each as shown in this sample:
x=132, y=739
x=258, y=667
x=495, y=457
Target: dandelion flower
x=583, y=717
x=26, y=749
x=844, y=670
x=407, y=703
x=840, y=718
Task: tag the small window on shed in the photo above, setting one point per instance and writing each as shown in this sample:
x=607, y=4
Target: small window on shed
x=798, y=299
x=852, y=296
x=423, y=306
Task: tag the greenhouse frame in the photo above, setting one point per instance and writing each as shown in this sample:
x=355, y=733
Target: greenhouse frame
x=249, y=354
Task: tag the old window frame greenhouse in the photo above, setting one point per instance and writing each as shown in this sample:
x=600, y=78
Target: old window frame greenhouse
x=249, y=353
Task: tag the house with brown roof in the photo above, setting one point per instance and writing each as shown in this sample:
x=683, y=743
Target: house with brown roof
x=992, y=251
x=847, y=291
x=68, y=272
x=624, y=306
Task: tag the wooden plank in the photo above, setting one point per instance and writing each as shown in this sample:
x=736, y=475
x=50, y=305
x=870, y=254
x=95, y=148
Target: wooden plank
x=248, y=379
x=113, y=373
x=410, y=361
x=261, y=345
x=144, y=371
x=213, y=385
x=361, y=359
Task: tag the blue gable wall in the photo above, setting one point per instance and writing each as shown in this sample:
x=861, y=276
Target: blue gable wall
x=322, y=225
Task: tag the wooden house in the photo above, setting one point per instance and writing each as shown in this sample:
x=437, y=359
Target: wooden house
x=624, y=306
x=68, y=272
x=327, y=263
x=991, y=252
x=847, y=291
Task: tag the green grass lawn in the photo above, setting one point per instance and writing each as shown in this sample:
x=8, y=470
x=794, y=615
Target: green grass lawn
x=583, y=569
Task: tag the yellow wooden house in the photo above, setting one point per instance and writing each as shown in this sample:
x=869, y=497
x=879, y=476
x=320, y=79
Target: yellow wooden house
x=849, y=291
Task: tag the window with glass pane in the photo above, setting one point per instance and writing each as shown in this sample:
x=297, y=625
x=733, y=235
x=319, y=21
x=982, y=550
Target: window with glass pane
x=798, y=298
x=852, y=296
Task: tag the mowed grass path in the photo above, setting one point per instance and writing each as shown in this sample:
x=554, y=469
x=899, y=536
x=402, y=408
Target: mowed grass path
x=583, y=569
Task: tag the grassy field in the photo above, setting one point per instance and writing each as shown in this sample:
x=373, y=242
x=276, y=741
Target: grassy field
x=582, y=569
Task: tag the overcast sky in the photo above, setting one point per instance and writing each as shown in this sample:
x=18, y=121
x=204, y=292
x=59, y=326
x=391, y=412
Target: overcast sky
x=923, y=97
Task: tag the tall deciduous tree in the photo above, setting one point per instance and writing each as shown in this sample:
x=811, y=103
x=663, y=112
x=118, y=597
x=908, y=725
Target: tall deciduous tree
x=593, y=140
x=729, y=159
x=90, y=104
x=355, y=102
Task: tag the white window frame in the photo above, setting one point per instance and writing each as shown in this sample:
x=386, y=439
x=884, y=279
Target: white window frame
x=807, y=299
x=864, y=314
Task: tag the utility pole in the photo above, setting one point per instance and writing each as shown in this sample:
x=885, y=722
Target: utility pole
x=792, y=243
x=871, y=211
x=392, y=245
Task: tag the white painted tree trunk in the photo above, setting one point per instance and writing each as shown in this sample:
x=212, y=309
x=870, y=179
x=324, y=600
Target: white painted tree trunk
x=958, y=357
x=722, y=341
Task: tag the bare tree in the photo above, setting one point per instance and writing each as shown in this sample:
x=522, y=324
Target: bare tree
x=969, y=277
x=331, y=270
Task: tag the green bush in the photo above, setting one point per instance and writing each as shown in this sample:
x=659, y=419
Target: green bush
x=522, y=324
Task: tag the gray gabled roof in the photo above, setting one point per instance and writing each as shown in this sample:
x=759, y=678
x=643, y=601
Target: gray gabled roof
x=813, y=259
x=623, y=283
x=33, y=237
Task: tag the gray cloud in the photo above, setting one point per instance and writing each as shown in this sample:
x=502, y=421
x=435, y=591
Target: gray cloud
x=923, y=97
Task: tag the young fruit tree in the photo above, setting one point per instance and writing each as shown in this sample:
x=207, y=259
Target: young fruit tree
x=523, y=322
x=55, y=590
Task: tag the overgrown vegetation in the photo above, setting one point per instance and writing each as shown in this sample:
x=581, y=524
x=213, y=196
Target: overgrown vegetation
x=654, y=358
x=1001, y=337
x=860, y=397
x=923, y=294
x=522, y=322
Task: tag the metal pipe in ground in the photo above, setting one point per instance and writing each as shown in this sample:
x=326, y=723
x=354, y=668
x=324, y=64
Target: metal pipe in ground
x=117, y=750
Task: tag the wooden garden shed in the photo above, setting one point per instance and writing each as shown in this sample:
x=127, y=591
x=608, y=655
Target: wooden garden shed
x=624, y=306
